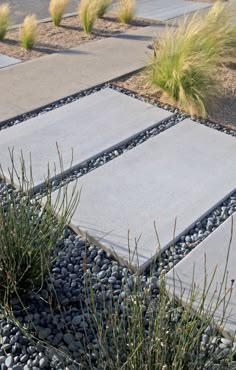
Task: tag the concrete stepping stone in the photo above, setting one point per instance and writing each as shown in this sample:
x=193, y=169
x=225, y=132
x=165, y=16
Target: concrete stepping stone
x=167, y=9
x=6, y=61
x=211, y=254
x=88, y=126
x=180, y=174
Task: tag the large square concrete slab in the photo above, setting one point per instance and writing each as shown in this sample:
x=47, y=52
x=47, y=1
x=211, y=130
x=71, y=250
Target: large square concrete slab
x=88, y=126
x=178, y=175
x=167, y=9
x=6, y=61
x=206, y=260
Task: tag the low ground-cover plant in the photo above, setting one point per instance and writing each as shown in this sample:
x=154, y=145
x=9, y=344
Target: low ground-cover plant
x=102, y=7
x=184, y=66
x=57, y=9
x=4, y=20
x=28, y=32
x=126, y=11
x=88, y=11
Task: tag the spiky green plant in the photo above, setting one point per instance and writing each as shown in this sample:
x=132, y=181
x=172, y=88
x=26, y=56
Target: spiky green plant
x=185, y=60
x=57, y=9
x=28, y=32
x=88, y=10
x=102, y=7
x=4, y=20
x=126, y=11
x=28, y=233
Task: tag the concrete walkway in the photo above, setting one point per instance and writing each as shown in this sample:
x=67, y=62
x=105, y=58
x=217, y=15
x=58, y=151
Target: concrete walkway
x=152, y=9
x=33, y=84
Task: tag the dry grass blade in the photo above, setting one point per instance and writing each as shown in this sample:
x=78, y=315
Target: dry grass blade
x=4, y=20
x=103, y=6
x=88, y=10
x=28, y=32
x=186, y=58
x=126, y=11
x=57, y=9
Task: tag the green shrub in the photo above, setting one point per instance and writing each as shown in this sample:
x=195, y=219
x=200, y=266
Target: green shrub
x=28, y=32
x=88, y=10
x=184, y=66
x=28, y=234
x=126, y=11
x=4, y=20
x=57, y=9
x=102, y=7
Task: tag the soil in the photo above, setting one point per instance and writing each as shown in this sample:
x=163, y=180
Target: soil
x=224, y=109
x=70, y=34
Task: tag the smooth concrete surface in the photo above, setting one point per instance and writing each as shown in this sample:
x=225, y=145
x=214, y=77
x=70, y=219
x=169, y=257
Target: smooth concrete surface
x=150, y=9
x=179, y=175
x=6, y=61
x=207, y=261
x=30, y=85
x=88, y=126
x=164, y=10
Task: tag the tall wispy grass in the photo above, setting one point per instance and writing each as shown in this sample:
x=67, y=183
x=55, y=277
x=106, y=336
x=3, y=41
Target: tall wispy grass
x=57, y=9
x=102, y=7
x=184, y=66
x=4, y=20
x=126, y=11
x=88, y=12
x=28, y=234
x=28, y=32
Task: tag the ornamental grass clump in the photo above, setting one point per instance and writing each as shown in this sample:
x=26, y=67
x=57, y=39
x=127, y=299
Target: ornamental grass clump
x=186, y=58
x=102, y=7
x=28, y=234
x=88, y=10
x=57, y=9
x=4, y=20
x=149, y=329
x=28, y=32
x=126, y=11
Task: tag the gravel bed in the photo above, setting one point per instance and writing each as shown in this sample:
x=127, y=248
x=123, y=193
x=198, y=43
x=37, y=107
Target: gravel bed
x=69, y=326
x=59, y=313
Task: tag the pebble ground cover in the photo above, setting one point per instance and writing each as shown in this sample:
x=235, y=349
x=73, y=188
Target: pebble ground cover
x=60, y=325
x=92, y=313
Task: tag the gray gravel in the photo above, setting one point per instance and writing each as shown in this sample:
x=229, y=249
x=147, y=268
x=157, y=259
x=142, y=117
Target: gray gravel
x=70, y=326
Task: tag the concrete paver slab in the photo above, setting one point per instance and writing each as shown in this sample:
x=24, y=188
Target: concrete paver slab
x=53, y=77
x=89, y=126
x=167, y=9
x=210, y=254
x=6, y=61
x=181, y=173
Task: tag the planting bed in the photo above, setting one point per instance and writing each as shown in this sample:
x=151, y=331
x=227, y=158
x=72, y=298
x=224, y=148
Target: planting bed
x=224, y=109
x=65, y=322
x=70, y=34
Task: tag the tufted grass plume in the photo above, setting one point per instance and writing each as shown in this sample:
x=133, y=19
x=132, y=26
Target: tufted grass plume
x=184, y=66
x=126, y=11
x=102, y=7
x=88, y=10
x=4, y=20
x=56, y=10
x=28, y=32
